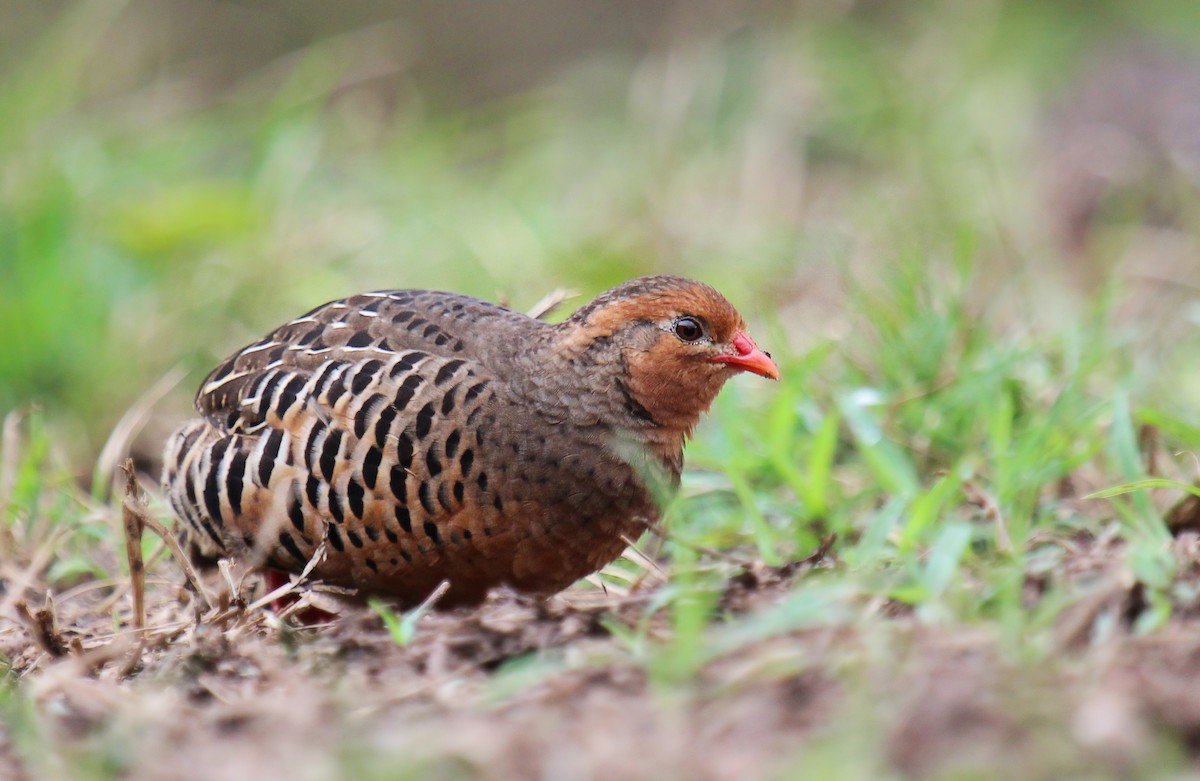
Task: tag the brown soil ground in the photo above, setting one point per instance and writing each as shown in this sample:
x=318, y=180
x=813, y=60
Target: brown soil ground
x=518, y=689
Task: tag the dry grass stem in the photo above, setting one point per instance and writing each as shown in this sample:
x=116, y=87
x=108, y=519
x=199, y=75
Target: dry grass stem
x=232, y=584
x=42, y=626
x=434, y=597
x=293, y=582
x=650, y=571
x=550, y=302
x=133, y=513
x=991, y=510
x=1148, y=439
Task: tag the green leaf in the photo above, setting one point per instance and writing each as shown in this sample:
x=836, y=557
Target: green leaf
x=1177, y=428
x=403, y=628
x=944, y=557
x=1144, y=485
x=887, y=461
x=926, y=507
x=820, y=465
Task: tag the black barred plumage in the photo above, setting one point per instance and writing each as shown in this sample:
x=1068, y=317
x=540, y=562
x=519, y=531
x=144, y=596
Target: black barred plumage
x=427, y=436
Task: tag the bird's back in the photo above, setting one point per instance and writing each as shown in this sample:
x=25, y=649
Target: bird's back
x=395, y=430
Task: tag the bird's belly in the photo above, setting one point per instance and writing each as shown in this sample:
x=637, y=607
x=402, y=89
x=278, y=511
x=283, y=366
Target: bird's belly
x=536, y=523
x=533, y=548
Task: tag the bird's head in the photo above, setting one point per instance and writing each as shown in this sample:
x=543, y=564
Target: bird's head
x=677, y=341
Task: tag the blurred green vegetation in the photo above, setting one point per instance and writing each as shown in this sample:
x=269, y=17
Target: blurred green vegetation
x=786, y=156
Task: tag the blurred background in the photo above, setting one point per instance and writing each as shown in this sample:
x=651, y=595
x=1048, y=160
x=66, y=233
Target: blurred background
x=179, y=176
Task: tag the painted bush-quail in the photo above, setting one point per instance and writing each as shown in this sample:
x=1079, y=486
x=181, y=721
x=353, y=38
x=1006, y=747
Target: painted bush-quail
x=425, y=436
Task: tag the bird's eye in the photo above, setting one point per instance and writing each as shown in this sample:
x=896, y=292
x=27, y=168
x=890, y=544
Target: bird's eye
x=688, y=329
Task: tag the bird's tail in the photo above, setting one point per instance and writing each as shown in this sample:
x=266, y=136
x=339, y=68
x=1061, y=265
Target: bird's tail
x=187, y=491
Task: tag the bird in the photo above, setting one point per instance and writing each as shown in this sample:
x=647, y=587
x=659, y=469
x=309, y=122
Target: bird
x=393, y=440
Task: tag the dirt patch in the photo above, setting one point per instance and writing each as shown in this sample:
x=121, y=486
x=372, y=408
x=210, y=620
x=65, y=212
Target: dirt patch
x=264, y=702
x=585, y=685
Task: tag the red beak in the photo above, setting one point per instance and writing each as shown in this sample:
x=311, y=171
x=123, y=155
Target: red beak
x=745, y=356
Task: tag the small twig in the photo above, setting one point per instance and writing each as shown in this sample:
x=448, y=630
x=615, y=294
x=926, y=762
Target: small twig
x=302, y=603
x=42, y=627
x=169, y=628
x=822, y=550
x=648, y=565
x=641, y=558
x=550, y=302
x=148, y=521
x=290, y=586
x=991, y=510
x=313, y=560
x=235, y=591
x=245, y=623
x=88, y=587
x=1148, y=444
x=132, y=513
x=434, y=597
x=606, y=586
